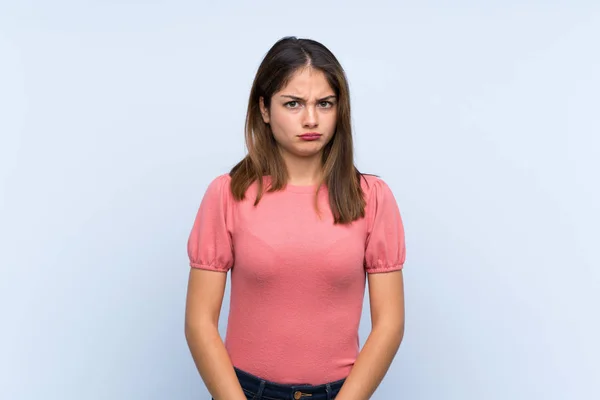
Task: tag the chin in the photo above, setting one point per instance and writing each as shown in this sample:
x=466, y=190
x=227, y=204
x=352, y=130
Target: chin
x=307, y=153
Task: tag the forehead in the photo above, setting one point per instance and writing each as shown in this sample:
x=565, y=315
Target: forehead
x=308, y=81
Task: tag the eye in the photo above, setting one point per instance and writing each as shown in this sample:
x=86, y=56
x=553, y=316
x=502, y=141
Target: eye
x=291, y=104
x=326, y=104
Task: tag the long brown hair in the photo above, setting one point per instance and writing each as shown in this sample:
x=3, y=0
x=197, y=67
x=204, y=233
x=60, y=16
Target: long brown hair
x=340, y=175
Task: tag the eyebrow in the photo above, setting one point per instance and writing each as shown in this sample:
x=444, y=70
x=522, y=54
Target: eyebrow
x=330, y=97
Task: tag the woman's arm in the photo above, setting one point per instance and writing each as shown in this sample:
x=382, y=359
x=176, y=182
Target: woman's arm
x=203, y=306
x=386, y=295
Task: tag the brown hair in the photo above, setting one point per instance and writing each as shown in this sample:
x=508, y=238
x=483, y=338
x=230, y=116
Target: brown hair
x=342, y=178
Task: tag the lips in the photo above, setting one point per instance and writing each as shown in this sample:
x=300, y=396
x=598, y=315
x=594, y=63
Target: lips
x=310, y=135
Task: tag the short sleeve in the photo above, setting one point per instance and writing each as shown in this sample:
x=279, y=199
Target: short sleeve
x=210, y=242
x=385, y=249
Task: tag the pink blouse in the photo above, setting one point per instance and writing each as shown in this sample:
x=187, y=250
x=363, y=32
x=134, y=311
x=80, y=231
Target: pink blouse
x=297, y=280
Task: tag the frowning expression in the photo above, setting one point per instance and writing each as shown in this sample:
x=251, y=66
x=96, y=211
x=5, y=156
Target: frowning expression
x=303, y=114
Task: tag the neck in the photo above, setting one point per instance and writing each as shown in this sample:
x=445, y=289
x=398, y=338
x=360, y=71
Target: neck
x=303, y=171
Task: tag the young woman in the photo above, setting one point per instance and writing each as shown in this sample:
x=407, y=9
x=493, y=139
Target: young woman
x=300, y=229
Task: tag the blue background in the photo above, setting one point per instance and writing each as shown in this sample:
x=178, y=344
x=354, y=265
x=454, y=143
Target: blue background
x=483, y=118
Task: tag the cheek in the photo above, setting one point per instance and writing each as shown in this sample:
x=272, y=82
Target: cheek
x=283, y=123
x=330, y=120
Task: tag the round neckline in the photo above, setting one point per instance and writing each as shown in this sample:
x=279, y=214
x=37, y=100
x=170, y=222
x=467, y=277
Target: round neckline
x=301, y=188
x=297, y=188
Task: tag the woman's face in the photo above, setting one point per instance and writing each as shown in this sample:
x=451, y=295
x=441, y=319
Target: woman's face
x=303, y=114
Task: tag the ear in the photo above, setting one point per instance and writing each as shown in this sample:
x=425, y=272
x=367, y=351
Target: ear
x=263, y=110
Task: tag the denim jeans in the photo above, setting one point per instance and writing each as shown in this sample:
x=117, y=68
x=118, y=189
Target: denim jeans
x=256, y=388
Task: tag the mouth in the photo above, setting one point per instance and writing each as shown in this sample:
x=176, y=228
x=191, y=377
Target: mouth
x=310, y=136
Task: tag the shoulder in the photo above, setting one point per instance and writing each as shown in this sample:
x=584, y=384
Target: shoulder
x=379, y=198
x=220, y=182
x=374, y=187
x=219, y=189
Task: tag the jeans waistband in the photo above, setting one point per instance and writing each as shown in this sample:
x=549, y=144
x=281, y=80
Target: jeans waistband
x=261, y=389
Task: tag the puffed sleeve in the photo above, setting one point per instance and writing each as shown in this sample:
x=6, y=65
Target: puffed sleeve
x=385, y=248
x=209, y=244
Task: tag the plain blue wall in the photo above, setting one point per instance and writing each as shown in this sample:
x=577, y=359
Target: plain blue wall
x=484, y=120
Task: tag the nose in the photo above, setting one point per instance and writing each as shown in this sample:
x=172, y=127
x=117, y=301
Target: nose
x=310, y=117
